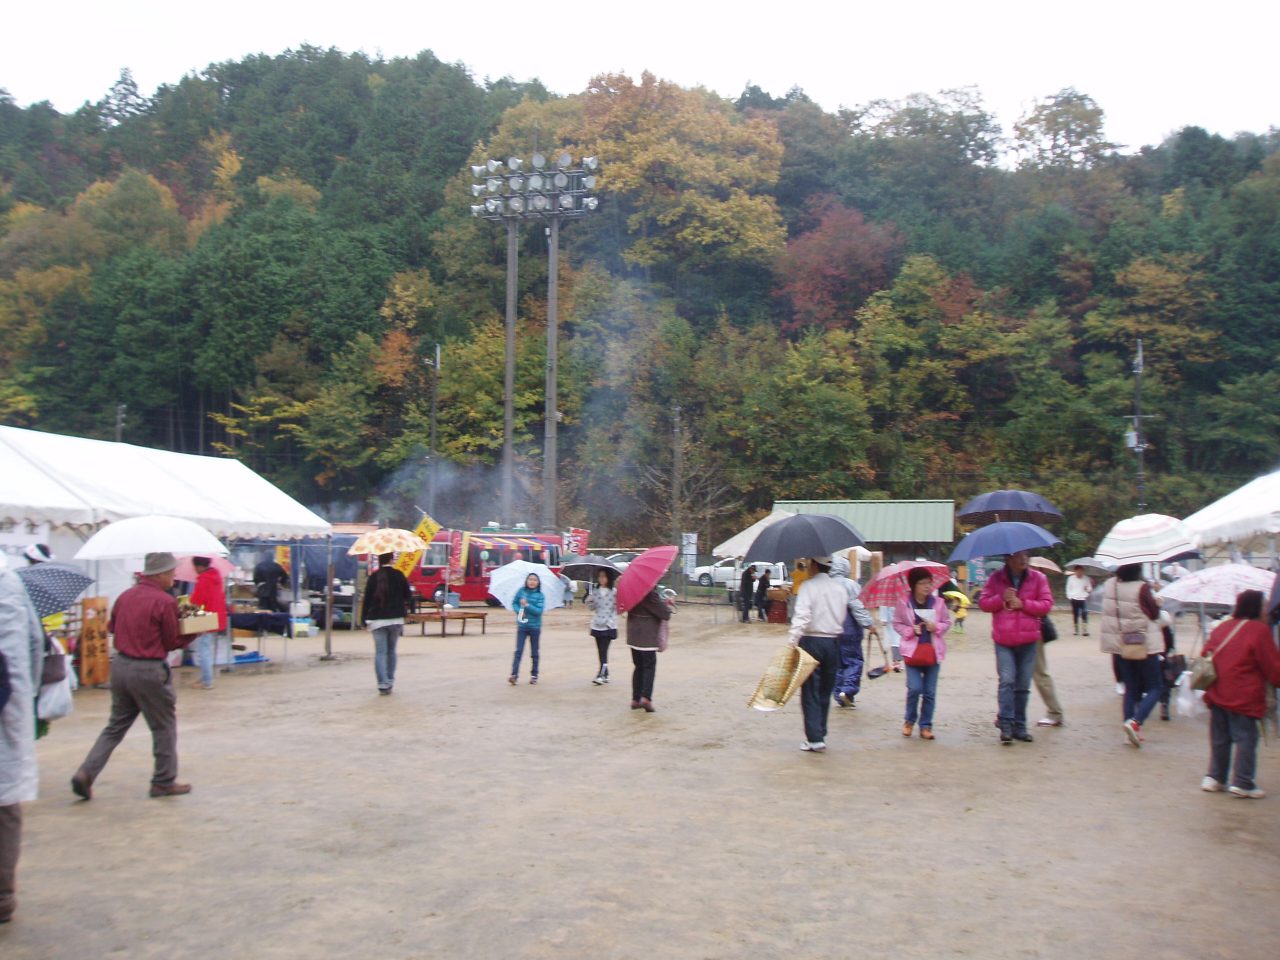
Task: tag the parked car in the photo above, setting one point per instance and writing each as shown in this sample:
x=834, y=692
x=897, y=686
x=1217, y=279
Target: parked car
x=622, y=560
x=728, y=572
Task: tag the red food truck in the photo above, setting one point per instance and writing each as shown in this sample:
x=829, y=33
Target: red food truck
x=468, y=556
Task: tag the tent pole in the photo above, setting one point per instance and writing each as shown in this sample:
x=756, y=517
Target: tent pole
x=328, y=601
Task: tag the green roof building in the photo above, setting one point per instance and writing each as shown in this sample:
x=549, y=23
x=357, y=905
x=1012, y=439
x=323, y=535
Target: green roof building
x=901, y=529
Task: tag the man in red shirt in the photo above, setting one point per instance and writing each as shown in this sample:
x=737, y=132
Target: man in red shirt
x=144, y=622
x=208, y=593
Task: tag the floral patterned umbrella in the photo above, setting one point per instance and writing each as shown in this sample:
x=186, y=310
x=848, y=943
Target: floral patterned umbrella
x=386, y=540
x=1219, y=584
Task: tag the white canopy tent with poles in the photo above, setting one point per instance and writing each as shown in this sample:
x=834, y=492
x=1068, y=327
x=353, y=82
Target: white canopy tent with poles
x=1243, y=524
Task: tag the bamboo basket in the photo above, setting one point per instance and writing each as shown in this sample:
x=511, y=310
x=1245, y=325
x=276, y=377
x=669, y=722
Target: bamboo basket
x=789, y=668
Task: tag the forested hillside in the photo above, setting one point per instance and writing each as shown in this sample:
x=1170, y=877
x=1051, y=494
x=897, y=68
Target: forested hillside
x=897, y=300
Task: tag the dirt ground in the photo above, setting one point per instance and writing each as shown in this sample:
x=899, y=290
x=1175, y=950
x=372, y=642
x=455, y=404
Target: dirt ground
x=462, y=817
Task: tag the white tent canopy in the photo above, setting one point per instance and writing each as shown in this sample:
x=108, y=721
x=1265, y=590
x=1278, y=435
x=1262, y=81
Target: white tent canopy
x=1247, y=519
x=58, y=480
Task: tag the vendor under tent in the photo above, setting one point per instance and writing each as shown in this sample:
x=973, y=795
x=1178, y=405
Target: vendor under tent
x=62, y=489
x=1245, y=523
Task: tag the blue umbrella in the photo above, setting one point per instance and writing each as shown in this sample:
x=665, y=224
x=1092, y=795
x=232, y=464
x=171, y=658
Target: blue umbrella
x=53, y=587
x=1004, y=505
x=999, y=539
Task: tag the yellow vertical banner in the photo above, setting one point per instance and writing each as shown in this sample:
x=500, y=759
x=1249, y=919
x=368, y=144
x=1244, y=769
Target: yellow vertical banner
x=425, y=531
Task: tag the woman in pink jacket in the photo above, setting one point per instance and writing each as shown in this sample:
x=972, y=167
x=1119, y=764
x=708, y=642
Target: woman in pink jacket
x=1018, y=598
x=922, y=620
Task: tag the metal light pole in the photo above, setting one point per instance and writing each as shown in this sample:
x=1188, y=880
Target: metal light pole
x=431, y=465
x=547, y=195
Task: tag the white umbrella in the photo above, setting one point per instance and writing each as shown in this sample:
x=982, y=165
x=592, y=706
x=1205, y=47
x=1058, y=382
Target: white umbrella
x=1219, y=584
x=138, y=536
x=1149, y=538
x=510, y=577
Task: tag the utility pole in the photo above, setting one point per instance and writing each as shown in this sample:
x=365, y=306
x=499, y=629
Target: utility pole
x=509, y=380
x=677, y=478
x=120, y=409
x=1137, y=440
x=549, y=481
x=431, y=473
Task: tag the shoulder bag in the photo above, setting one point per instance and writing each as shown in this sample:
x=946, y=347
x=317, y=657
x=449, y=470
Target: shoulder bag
x=1203, y=673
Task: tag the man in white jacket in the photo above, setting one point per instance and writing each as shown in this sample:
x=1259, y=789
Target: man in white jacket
x=22, y=648
x=815, y=628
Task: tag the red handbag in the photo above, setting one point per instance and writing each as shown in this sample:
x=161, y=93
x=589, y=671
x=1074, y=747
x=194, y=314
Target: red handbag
x=925, y=655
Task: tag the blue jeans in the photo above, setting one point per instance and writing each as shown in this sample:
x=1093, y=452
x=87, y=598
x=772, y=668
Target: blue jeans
x=206, y=653
x=1143, y=686
x=384, y=654
x=1227, y=728
x=1014, y=666
x=922, y=689
x=533, y=634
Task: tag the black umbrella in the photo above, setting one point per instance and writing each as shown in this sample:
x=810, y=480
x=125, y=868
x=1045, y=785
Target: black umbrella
x=584, y=568
x=53, y=587
x=998, y=505
x=1001, y=539
x=804, y=535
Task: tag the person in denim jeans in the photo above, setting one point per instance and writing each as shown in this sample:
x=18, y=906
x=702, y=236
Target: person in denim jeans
x=529, y=603
x=387, y=600
x=922, y=619
x=1017, y=595
x=209, y=594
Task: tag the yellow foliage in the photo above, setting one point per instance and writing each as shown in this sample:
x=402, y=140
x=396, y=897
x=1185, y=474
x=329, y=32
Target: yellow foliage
x=285, y=184
x=411, y=295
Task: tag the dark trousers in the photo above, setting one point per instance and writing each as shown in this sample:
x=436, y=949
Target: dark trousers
x=744, y=604
x=646, y=667
x=602, y=645
x=10, y=838
x=815, y=695
x=533, y=635
x=146, y=687
x=849, y=678
x=1227, y=729
x=1079, y=613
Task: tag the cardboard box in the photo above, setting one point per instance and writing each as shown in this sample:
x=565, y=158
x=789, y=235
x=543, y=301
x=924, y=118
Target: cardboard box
x=201, y=624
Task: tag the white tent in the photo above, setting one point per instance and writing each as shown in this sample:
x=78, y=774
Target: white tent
x=1247, y=520
x=737, y=545
x=61, y=481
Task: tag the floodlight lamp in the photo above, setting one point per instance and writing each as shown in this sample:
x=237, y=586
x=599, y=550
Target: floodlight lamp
x=591, y=162
x=516, y=204
x=539, y=203
x=537, y=181
x=477, y=209
x=564, y=161
x=590, y=203
x=589, y=182
x=566, y=201
x=560, y=180
x=494, y=165
x=539, y=161
x=493, y=184
x=515, y=183
x=477, y=189
x=493, y=206
x=514, y=164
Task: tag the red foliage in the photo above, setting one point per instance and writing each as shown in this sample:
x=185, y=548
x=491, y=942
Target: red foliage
x=830, y=271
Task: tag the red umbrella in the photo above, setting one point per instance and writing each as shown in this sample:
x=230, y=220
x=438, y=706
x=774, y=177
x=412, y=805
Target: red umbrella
x=643, y=574
x=186, y=570
x=889, y=586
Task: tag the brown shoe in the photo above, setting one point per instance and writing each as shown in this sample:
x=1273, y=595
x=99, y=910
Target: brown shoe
x=926, y=733
x=647, y=704
x=170, y=789
x=907, y=728
x=82, y=786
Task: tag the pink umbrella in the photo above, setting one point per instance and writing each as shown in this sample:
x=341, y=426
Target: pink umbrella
x=889, y=586
x=186, y=570
x=643, y=574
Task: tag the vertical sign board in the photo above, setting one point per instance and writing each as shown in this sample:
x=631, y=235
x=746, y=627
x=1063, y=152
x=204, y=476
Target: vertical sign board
x=95, y=657
x=689, y=551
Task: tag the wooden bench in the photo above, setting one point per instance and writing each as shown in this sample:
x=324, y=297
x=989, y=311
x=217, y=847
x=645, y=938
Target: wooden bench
x=443, y=617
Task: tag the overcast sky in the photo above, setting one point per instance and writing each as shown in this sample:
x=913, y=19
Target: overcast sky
x=1152, y=67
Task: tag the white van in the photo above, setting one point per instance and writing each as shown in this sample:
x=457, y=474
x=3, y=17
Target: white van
x=728, y=573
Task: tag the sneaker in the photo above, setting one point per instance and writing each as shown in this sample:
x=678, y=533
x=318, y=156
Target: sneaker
x=1023, y=735
x=604, y=674
x=843, y=700
x=1048, y=722
x=813, y=747
x=1256, y=793
x=533, y=679
x=1119, y=689
x=1210, y=785
x=512, y=679
x=599, y=678
x=1133, y=730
